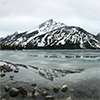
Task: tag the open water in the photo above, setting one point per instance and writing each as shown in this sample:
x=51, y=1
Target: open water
x=78, y=69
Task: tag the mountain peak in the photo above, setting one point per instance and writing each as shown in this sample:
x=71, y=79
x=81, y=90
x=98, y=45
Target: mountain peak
x=50, y=25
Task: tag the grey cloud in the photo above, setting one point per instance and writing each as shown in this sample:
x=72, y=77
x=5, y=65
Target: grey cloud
x=22, y=15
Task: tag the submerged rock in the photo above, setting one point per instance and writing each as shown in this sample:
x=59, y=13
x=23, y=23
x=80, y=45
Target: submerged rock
x=33, y=84
x=31, y=89
x=36, y=95
x=11, y=77
x=64, y=88
x=2, y=75
x=19, y=87
x=3, y=99
x=4, y=70
x=7, y=88
x=56, y=89
x=13, y=92
x=16, y=70
x=23, y=91
x=69, y=98
x=44, y=93
x=49, y=97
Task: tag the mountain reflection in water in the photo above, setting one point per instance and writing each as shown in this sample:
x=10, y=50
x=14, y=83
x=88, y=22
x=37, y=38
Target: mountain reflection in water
x=51, y=74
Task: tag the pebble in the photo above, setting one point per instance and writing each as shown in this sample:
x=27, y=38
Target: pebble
x=11, y=77
x=36, y=95
x=64, y=88
x=33, y=84
x=3, y=99
x=56, y=89
x=19, y=87
x=44, y=93
x=16, y=70
x=69, y=98
x=49, y=97
x=7, y=88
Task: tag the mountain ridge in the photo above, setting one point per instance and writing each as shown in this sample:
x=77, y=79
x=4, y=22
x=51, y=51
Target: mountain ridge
x=54, y=35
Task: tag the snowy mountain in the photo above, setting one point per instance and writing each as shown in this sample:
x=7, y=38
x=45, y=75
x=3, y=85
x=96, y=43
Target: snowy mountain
x=98, y=36
x=54, y=35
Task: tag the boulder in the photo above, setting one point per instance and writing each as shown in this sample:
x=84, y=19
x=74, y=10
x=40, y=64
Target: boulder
x=13, y=92
x=23, y=91
x=7, y=88
x=56, y=89
x=64, y=88
x=36, y=95
x=49, y=97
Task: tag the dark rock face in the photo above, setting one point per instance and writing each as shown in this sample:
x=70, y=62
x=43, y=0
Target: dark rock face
x=13, y=92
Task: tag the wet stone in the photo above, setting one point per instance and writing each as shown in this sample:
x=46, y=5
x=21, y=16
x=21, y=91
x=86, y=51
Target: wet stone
x=11, y=77
x=36, y=95
x=4, y=70
x=10, y=69
x=49, y=97
x=33, y=84
x=69, y=98
x=19, y=87
x=13, y=92
x=79, y=92
x=31, y=89
x=37, y=89
x=3, y=99
x=44, y=93
x=23, y=91
x=56, y=89
x=7, y=88
x=64, y=88
x=16, y=70
x=2, y=75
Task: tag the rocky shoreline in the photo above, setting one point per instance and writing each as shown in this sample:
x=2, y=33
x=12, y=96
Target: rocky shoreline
x=23, y=91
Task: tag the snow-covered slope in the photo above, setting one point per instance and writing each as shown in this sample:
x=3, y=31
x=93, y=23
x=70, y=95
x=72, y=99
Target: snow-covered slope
x=52, y=34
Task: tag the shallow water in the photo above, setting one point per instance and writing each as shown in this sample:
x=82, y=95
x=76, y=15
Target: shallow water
x=78, y=69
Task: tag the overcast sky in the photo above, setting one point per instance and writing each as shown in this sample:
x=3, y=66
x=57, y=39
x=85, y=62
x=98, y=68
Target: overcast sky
x=24, y=15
